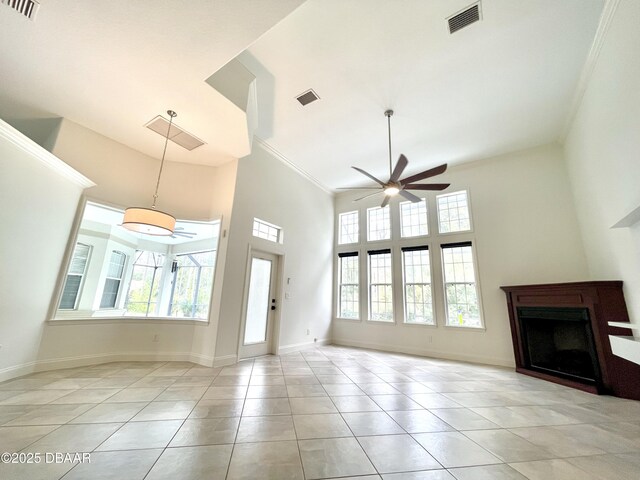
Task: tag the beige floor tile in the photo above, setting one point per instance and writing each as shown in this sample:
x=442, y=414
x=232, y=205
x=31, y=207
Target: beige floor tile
x=395, y=402
x=433, y=400
x=222, y=393
x=452, y=449
x=267, y=391
x=300, y=380
x=551, y=469
x=206, y=431
x=110, y=412
x=267, y=460
x=192, y=463
x=97, y=395
x=334, y=457
x=264, y=429
x=463, y=418
x=424, y=475
x=371, y=423
x=212, y=408
x=420, y=421
x=377, y=389
x=306, y=391
x=125, y=465
x=266, y=380
x=397, y=453
x=266, y=406
x=135, y=395
x=357, y=403
x=488, y=472
x=177, y=410
x=321, y=426
x=341, y=390
x=50, y=415
x=507, y=446
x=302, y=406
x=142, y=435
x=14, y=439
x=559, y=442
x=30, y=471
x=74, y=438
x=230, y=380
x=609, y=466
x=35, y=397
x=182, y=393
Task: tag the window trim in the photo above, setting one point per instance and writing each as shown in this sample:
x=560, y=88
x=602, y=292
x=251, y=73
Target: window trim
x=279, y=237
x=82, y=278
x=413, y=248
x=383, y=240
x=382, y=251
x=120, y=282
x=459, y=232
x=339, y=284
x=469, y=243
x=358, y=235
x=401, y=237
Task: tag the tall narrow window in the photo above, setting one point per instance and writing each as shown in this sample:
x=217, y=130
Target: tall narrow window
x=348, y=228
x=413, y=218
x=380, y=286
x=144, y=289
x=192, y=282
x=114, y=278
x=453, y=212
x=378, y=224
x=418, y=303
x=461, y=293
x=349, y=288
x=75, y=274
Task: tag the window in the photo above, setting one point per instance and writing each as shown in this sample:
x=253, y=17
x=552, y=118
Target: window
x=413, y=218
x=378, y=224
x=461, y=294
x=380, y=286
x=144, y=288
x=453, y=212
x=192, y=283
x=267, y=231
x=348, y=228
x=349, y=289
x=418, y=303
x=114, y=278
x=75, y=274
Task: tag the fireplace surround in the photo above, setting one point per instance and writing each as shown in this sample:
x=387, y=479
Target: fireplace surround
x=561, y=331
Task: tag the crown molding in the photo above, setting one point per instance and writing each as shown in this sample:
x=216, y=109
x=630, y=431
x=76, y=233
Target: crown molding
x=608, y=12
x=45, y=157
x=292, y=166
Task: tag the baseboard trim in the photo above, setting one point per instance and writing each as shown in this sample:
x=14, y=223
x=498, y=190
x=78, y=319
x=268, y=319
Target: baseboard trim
x=86, y=360
x=499, y=362
x=225, y=360
x=296, y=347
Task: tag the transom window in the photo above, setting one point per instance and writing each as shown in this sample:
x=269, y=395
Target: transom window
x=262, y=229
x=113, y=280
x=461, y=294
x=453, y=212
x=378, y=224
x=348, y=228
x=413, y=219
x=348, y=285
x=418, y=302
x=380, y=286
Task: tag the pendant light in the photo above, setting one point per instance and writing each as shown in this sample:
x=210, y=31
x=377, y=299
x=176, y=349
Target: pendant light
x=151, y=221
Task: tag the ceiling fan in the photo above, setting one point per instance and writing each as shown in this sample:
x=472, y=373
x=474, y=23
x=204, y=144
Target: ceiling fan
x=178, y=233
x=395, y=185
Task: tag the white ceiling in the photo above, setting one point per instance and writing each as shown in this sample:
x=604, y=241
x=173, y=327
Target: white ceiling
x=113, y=65
x=503, y=84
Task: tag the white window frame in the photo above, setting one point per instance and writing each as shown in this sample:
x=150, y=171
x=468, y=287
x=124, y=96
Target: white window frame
x=339, y=229
x=370, y=253
x=270, y=226
x=120, y=281
x=404, y=286
x=390, y=239
x=471, y=244
x=82, y=276
x=342, y=255
x=174, y=278
x=157, y=278
x=458, y=232
x=426, y=206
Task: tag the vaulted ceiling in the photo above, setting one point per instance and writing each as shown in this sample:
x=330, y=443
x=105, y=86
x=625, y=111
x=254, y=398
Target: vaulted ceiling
x=505, y=83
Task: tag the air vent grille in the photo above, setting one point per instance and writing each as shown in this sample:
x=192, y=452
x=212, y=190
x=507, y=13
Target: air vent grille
x=307, y=97
x=465, y=18
x=177, y=135
x=28, y=8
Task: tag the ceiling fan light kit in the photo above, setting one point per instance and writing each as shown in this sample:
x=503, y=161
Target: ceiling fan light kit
x=151, y=221
x=396, y=186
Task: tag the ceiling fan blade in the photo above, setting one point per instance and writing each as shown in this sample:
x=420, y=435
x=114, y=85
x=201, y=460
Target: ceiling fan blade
x=367, y=196
x=432, y=172
x=399, y=168
x=386, y=200
x=369, y=175
x=426, y=186
x=357, y=188
x=409, y=196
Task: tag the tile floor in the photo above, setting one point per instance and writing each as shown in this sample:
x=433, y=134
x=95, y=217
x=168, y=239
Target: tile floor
x=323, y=413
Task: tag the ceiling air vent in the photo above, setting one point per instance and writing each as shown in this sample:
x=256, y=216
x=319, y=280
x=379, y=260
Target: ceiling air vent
x=176, y=134
x=464, y=18
x=307, y=97
x=28, y=8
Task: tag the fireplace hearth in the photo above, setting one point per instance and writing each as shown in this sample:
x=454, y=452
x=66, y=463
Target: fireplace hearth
x=561, y=331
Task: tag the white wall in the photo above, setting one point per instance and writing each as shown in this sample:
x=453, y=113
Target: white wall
x=602, y=156
x=38, y=206
x=126, y=177
x=269, y=190
x=525, y=231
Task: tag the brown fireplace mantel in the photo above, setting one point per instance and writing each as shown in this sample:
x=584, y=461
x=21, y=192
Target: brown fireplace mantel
x=605, y=303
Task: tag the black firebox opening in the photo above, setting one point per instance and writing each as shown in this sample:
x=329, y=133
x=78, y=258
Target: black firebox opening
x=559, y=341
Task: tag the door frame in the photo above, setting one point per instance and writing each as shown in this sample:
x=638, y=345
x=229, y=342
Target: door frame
x=274, y=341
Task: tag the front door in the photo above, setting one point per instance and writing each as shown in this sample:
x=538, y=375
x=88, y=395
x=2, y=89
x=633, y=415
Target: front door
x=261, y=304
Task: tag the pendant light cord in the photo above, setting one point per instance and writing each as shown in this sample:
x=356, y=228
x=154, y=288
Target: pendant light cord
x=172, y=115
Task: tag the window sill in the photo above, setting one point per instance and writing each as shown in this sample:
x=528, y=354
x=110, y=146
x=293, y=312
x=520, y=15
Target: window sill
x=430, y=325
x=130, y=320
x=382, y=322
x=463, y=327
x=352, y=320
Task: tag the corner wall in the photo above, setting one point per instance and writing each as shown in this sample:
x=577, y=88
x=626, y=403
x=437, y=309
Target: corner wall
x=602, y=157
x=525, y=231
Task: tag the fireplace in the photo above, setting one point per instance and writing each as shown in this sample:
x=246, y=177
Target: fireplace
x=559, y=341
x=561, y=332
